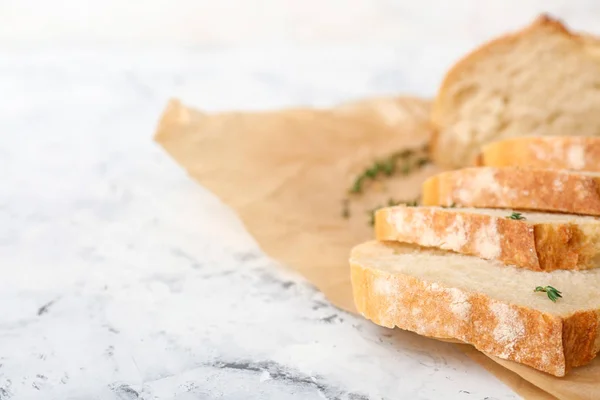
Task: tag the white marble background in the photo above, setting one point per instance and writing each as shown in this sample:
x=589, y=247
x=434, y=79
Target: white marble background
x=250, y=22
x=121, y=278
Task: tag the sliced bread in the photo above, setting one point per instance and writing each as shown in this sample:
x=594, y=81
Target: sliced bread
x=560, y=152
x=516, y=188
x=536, y=241
x=484, y=303
x=542, y=80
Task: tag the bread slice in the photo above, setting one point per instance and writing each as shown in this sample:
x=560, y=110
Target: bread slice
x=516, y=188
x=539, y=241
x=483, y=303
x=560, y=152
x=542, y=80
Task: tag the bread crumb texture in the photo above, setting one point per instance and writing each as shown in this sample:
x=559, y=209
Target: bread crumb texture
x=542, y=80
x=490, y=306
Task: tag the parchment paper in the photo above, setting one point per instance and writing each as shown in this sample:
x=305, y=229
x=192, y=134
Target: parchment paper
x=286, y=174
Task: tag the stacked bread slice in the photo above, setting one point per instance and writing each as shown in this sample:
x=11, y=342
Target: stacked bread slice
x=573, y=152
x=487, y=256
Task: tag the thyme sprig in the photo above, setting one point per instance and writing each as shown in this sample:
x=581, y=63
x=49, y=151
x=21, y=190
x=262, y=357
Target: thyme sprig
x=516, y=215
x=552, y=292
x=453, y=205
x=409, y=159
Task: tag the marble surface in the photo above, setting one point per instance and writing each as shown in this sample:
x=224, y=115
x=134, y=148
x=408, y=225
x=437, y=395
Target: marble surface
x=243, y=22
x=121, y=278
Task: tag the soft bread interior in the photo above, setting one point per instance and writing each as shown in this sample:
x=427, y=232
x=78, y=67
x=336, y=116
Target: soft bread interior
x=580, y=289
x=542, y=81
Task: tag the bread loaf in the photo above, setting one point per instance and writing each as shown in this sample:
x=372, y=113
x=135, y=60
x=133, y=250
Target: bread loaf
x=577, y=153
x=516, y=188
x=536, y=241
x=484, y=303
x=542, y=80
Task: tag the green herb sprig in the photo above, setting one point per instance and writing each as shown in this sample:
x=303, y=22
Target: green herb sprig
x=453, y=205
x=516, y=215
x=403, y=162
x=411, y=160
x=553, y=293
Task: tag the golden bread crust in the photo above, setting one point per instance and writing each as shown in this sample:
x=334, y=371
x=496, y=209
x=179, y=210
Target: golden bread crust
x=515, y=188
x=579, y=153
x=531, y=245
x=545, y=342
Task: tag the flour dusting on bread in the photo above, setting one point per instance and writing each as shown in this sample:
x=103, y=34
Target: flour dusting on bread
x=558, y=184
x=482, y=182
x=456, y=235
x=509, y=327
x=576, y=156
x=487, y=241
x=459, y=303
x=386, y=287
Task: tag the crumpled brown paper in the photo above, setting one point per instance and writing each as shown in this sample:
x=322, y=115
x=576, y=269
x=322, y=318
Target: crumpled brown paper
x=286, y=174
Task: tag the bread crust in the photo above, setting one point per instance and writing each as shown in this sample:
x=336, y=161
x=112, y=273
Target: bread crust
x=545, y=342
x=515, y=188
x=542, y=23
x=531, y=245
x=579, y=153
